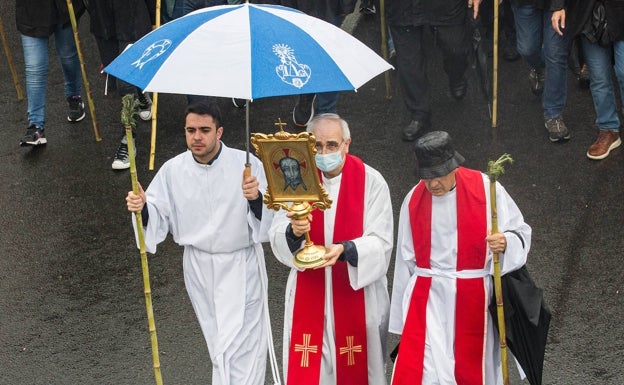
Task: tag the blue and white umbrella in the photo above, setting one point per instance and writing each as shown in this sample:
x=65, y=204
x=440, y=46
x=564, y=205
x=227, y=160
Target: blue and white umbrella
x=247, y=51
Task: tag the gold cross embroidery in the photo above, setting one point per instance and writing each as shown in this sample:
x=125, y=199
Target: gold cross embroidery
x=306, y=349
x=350, y=349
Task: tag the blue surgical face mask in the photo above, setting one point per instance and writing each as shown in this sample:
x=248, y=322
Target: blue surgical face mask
x=328, y=162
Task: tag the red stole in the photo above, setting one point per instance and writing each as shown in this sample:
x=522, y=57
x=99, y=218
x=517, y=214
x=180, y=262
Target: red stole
x=471, y=302
x=306, y=340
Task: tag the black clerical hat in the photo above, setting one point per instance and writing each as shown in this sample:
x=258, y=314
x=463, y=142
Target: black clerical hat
x=436, y=155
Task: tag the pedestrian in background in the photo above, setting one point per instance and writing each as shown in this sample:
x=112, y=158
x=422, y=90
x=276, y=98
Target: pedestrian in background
x=115, y=24
x=37, y=21
x=447, y=19
x=211, y=209
x=601, y=48
x=546, y=53
x=443, y=270
x=338, y=310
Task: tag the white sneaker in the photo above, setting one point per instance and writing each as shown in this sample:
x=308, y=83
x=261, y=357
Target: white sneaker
x=145, y=106
x=122, y=157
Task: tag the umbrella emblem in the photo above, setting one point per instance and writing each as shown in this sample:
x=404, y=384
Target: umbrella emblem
x=152, y=52
x=290, y=70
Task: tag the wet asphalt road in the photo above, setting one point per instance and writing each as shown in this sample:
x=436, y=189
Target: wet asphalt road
x=71, y=294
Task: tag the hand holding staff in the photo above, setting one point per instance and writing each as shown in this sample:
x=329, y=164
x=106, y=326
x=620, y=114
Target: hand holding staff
x=495, y=168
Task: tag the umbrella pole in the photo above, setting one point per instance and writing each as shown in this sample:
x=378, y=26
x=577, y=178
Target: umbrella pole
x=384, y=46
x=494, y=170
x=85, y=79
x=495, y=68
x=154, y=106
x=128, y=111
x=7, y=51
x=247, y=163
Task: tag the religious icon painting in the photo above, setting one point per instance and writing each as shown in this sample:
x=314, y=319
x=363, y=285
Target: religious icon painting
x=290, y=169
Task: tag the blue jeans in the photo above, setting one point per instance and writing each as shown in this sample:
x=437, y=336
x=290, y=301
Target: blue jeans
x=598, y=60
x=36, y=68
x=541, y=47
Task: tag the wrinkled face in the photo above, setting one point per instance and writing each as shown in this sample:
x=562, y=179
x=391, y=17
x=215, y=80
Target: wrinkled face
x=328, y=134
x=441, y=185
x=202, y=136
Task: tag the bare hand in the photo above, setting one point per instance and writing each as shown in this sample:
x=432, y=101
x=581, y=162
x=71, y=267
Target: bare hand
x=299, y=226
x=332, y=255
x=474, y=4
x=558, y=21
x=497, y=242
x=250, y=187
x=136, y=202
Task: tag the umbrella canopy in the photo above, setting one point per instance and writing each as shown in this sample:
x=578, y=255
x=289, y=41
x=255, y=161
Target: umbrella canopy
x=527, y=320
x=247, y=51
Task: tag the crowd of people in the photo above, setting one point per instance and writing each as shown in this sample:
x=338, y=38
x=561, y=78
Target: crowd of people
x=338, y=314
x=534, y=30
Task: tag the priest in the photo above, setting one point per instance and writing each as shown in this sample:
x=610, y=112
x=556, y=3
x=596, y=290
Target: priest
x=443, y=270
x=336, y=316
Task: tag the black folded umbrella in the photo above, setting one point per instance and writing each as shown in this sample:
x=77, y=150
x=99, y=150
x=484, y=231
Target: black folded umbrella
x=527, y=320
x=479, y=59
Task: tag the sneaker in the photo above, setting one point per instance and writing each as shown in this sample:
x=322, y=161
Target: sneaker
x=607, y=140
x=239, y=103
x=122, y=158
x=145, y=106
x=557, y=130
x=76, y=109
x=536, y=80
x=304, y=110
x=34, y=136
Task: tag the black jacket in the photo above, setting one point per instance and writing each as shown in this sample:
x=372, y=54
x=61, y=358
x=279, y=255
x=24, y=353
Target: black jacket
x=38, y=18
x=122, y=20
x=323, y=9
x=421, y=12
x=578, y=13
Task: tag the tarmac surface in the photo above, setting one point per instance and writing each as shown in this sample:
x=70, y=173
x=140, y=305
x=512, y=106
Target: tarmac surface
x=72, y=309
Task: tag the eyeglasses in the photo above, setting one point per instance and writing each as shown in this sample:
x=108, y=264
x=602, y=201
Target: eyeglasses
x=329, y=147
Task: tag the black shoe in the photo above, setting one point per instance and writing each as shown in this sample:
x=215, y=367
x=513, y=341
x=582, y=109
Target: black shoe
x=304, y=110
x=414, y=130
x=583, y=77
x=458, y=90
x=34, y=136
x=510, y=52
x=76, y=109
x=536, y=81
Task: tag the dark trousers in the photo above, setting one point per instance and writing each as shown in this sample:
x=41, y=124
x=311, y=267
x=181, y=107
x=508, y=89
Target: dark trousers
x=410, y=45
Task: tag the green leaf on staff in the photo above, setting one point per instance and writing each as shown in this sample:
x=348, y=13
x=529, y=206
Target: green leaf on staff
x=496, y=168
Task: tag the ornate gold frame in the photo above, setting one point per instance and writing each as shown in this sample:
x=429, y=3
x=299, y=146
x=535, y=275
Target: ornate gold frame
x=301, y=191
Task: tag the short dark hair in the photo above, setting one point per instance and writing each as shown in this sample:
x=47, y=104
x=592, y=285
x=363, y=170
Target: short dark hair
x=205, y=108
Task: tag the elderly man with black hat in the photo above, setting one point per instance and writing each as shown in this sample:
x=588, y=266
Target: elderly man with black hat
x=442, y=277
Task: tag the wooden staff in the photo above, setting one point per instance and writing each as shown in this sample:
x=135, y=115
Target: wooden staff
x=384, y=46
x=154, y=105
x=85, y=79
x=128, y=111
x=495, y=67
x=495, y=168
x=7, y=51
